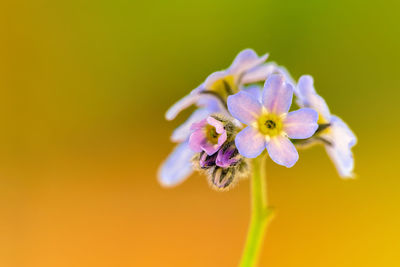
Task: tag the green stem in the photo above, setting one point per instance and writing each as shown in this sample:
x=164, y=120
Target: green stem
x=260, y=216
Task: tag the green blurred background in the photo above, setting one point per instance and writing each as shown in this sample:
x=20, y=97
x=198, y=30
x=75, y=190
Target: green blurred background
x=83, y=90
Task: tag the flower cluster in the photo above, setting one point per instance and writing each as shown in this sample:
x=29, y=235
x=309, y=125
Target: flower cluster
x=237, y=119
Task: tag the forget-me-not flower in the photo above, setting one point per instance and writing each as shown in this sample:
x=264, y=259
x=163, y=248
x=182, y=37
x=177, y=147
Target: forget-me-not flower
x=269, y=124
x=335, y=134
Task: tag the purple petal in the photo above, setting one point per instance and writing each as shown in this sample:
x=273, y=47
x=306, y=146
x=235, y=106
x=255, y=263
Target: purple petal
x=282, y=151
x=177, y=167
x=277, y=95
x=250, y=142
x=198, y=125
x=246, y=60
x=207, y=161
x=244, y=107
x=197, y=138
x=301, y=124
x=209, y=148
x=258, y=73
x=219, y=126
x=224, y=157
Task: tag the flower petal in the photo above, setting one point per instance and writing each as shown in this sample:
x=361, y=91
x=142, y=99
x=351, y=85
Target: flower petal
x=196, y=139
x=288, y=78
x=308, y=97
x=246, y=60
x=182, y=104
x=183, y=132
x=249, y=142
x=301, y=124
x=213, y=77
x=258, y=73
x=219, y=126
x=255, y=91
x=244, y=107
x=177, y=167
x=277, y=94
x=342, y=140
x=282, y=151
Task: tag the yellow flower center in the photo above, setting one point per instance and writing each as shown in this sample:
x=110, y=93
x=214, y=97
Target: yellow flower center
x=211, y=134
x=321, y=121
x=270, y=124
x=225, y=86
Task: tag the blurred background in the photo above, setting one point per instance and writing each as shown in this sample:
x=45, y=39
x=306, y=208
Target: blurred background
x=83, y=90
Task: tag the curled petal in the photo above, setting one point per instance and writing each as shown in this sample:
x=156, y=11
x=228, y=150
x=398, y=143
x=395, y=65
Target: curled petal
x=177, y=167
x=249, y=142
x=342, y=139
x=244, y=107
x=282, y=151
x=277, y=95
x=301, y=124
x=246, y=60
x=197, y=138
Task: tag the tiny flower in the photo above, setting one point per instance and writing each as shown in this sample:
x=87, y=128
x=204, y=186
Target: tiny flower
x=209, y=135
x=269, y=124
x=333, y=132
x=178, y=166
x=246, y=68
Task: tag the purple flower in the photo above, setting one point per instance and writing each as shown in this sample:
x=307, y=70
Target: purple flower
x=269, y=124
x=336, y=135
x=178, y=165
x=208, y=136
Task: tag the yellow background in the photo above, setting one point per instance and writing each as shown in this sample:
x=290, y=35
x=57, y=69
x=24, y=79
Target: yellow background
x=83, y=90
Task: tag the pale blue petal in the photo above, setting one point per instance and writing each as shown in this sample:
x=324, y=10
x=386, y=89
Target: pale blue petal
x=282, y=151
x=255, y=91
x=177, y=167
x=342, y=139
x=301, y=124
x=246, y=60
x=288, y=78
x=277, y=95
x=249, y=142
x=244, y=107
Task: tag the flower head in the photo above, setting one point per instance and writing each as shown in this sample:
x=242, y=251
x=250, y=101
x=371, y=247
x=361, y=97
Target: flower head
x=269, y=124
x=333, y=132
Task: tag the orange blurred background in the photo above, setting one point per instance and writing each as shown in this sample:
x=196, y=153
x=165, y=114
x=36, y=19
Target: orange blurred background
x=83, y=90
